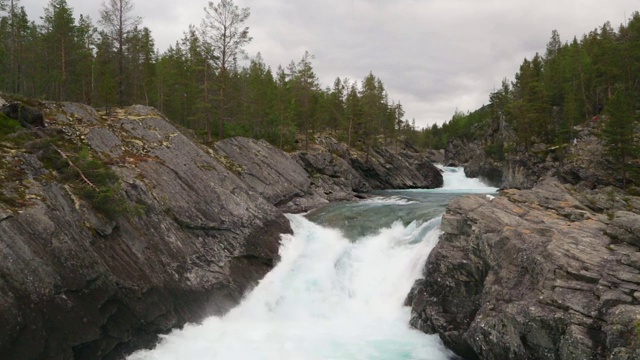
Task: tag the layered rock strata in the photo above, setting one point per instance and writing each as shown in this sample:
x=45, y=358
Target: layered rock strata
x=202, y=227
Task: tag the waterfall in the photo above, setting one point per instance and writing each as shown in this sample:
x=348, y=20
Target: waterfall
x=331, y=297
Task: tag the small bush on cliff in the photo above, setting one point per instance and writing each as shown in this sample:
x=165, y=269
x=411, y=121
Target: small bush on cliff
x=8, y=126
x=91, y=179
x=495, y=151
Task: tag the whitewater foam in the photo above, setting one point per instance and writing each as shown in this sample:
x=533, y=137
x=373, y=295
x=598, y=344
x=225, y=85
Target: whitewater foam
x=328, y=298
x=391, y=200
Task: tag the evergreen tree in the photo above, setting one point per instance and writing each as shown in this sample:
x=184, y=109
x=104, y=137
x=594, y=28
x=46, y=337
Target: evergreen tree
x=285, y=109
x=336, y=105
x=140, y=59
x=17, y=34
x=619, y=131
x=259, y=99
x=305, y=84
x=118, y=21
x=398, y=116
x=106, y=71
x=353, y=111
x=553, y=77
x=224, y=32
x=370, y=101
x=84, y=58
x=59, y=40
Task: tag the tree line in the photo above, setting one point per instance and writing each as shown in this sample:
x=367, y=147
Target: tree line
x=594, y=80
x=204, y=81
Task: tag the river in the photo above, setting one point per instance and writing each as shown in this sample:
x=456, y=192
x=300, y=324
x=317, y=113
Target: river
x=339, y=289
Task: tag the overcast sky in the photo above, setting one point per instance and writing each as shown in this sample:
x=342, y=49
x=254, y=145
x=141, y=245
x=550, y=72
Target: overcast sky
x=432, y=55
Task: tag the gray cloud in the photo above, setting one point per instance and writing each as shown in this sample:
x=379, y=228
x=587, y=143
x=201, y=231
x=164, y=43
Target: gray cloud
x=433, y=55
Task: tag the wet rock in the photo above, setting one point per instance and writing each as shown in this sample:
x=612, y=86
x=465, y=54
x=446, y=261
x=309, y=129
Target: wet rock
x=384, y=169
x=397, y=167
x=533, y=274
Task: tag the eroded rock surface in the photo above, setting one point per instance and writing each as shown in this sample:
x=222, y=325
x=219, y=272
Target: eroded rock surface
x=74, y=284
x=329, y=171
x=202, y=227
x=535, y=274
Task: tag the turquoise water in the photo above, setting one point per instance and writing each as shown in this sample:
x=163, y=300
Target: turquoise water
x=339, y=289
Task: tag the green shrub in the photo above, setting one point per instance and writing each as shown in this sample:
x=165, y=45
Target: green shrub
x=495, y=151
x=8, y=126
x=101, y=189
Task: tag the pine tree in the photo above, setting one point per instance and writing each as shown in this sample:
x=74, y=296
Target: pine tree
x=619, y=131
x=353, y=111
x=305, y=84
x=224, y=32
x=285, y=109
x=58, y=32
x=140, y=59
x=336, y=105
x=84, y=53
x=16, y=23
x=106, y=72
x=118, y=21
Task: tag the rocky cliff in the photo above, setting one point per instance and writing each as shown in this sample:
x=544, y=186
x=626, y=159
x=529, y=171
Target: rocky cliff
x=328, y=171
x=547, y=273
x=584, y=160
x=76, y=284
x=115, y=228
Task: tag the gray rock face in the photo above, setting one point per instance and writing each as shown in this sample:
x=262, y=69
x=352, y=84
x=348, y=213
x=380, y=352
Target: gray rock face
x=436, y=156
x=75, y=285
x=204, y=227
x=533, y=274
x=329, y=171
x=292, y=182
x=266, y=169
x=584, y=161
x=459, y=152
x=384, y=169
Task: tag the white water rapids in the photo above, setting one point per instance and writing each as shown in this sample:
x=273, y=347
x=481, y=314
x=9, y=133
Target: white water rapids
x=329, y=298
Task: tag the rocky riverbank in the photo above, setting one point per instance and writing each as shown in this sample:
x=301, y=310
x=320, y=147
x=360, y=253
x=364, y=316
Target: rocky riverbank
x=194, y=227
x=547, y=273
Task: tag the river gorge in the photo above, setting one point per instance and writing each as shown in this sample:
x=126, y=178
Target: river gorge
x=339, y=289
